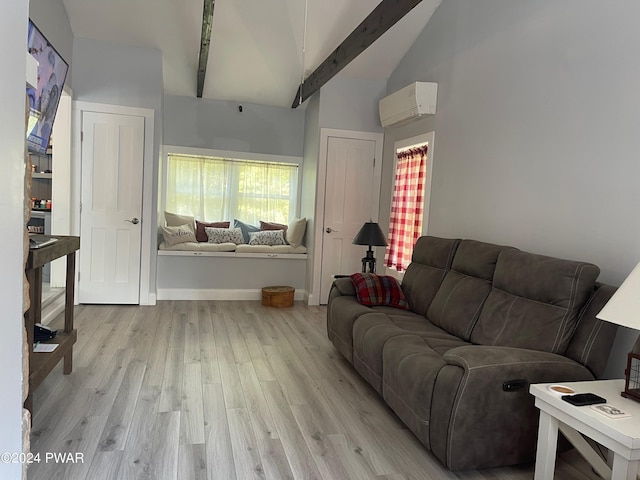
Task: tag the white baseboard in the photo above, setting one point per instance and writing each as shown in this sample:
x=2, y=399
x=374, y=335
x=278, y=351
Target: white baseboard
x=217, y=294
x=312, y=299
x=151, y=300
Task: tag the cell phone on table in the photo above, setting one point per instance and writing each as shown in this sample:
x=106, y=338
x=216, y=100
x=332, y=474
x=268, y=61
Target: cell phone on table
x=582, y=399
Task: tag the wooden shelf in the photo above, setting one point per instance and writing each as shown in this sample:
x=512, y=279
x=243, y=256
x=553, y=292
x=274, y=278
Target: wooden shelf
x=42, y=175
x=41, y=363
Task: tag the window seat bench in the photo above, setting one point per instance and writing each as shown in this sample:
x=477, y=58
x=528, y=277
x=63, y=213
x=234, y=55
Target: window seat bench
x=205, y=271
x=202, y=247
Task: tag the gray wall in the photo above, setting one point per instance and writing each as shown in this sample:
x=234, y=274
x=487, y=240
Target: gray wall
x=536, y=129
x=351, y=104
x=217, y=124
x=51, y=18
x=127, y=76
x=117, y=74
x=309, y=180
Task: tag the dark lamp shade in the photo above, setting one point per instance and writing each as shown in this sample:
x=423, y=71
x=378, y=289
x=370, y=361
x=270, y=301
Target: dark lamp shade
x=370, y=234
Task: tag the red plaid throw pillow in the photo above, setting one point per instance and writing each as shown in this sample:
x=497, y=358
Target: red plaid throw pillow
x=372, y=289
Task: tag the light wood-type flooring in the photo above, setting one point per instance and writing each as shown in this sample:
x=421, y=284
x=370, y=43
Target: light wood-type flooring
x=196, y=390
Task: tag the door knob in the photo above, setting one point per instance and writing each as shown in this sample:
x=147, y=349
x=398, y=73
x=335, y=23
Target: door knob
x=330, y=230
x=134, y=220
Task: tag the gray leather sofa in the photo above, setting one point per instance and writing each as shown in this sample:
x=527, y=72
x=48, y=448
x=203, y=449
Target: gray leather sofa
x=484, y=322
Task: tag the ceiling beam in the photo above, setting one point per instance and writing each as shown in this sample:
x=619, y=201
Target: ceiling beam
x=205, y=41
x=381, y=19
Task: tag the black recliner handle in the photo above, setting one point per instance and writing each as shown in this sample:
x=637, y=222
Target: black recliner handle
x=514, y=385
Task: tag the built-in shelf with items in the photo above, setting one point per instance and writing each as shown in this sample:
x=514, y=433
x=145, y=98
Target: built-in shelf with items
x=41, y=176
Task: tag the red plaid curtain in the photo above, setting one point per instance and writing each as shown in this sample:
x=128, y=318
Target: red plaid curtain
x=405, y=224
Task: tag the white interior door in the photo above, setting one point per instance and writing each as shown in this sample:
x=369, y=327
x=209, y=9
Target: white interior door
x=350, y=194
x=111, y=208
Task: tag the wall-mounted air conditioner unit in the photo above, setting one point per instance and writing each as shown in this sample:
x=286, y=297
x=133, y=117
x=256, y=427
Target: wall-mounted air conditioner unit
x=413, y=101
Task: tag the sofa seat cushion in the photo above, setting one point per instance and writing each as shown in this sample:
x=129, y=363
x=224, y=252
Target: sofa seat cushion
x=411, y=367
x=535, y=302
x=373, y=330
x=199, y=247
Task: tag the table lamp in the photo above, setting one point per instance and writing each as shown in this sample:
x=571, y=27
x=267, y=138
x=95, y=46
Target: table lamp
x=370, y=234
x=624, y=309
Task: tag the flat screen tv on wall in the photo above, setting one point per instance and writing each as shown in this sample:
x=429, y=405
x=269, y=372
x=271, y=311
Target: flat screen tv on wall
x=44, y=99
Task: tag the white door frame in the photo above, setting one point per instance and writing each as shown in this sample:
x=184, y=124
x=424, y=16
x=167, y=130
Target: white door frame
x=61, y=181
x=325, y=134
x=147, y=182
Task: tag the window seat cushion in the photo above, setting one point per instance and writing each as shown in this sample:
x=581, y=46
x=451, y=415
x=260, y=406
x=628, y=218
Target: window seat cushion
x=199, y=247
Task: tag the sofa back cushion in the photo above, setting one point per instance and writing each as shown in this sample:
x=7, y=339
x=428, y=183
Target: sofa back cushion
x=591, y=343
x=456, y=306
x=534, y=302
x=431, y=260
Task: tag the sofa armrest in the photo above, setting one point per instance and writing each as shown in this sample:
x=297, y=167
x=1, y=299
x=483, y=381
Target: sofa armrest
x=344, y=286
x=470, y=401
x=534, y=365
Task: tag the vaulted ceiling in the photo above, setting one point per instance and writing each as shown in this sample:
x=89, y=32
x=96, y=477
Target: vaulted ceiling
x=260, y=50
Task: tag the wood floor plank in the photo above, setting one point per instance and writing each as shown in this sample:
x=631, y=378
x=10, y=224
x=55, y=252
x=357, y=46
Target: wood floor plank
x=364, y=442
x=108, y=378
x=357, y=466
x=219, y=328
x=284, y=376
x=171, y=394
x=254, y=347
x=156, y=361
x=76, y=437
x=116, y=429
x=91, y=333
x=141, y=332
x=233, y=395
x=259, y=413
x=240, y=352
x=192, y=418
x=105, y=465
x=410, y=457
x=138, y=452
x=218, y=450
x=192, y=462
x=258, y=357
x=192, y=335
x=300, y=459
x=326, y=459
x=166, y=438
x=274, y=459
x=51, y=393
x=243, y=443
x=208, y=350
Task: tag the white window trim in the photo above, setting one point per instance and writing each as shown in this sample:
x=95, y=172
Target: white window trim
x=429, y=139
x=207, y=152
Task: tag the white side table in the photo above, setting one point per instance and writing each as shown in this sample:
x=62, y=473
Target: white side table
x=620, y=435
